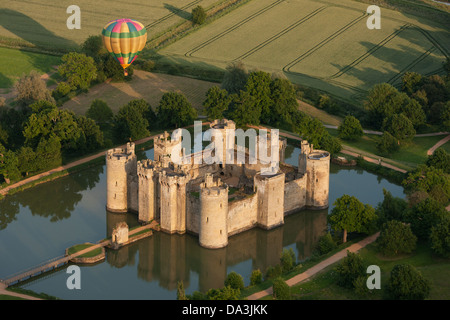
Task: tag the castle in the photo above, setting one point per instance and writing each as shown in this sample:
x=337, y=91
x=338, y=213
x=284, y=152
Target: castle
x=218, y=200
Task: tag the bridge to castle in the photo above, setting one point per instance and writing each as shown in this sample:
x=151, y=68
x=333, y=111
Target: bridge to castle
x=57, y=262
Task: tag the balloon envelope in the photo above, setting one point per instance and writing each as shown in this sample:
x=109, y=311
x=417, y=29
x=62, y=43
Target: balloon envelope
x=124, y=39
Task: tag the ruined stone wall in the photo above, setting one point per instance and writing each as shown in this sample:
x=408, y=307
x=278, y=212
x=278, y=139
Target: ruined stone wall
x=242, y=214
x=294, y=195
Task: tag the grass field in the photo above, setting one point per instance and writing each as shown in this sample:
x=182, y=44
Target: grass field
x=43, y=23
x=145, y=85
x=323, y=44
x=436, y=270
x=17, y=62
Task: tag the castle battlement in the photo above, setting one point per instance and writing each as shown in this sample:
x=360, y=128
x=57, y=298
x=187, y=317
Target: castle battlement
x=194, y=196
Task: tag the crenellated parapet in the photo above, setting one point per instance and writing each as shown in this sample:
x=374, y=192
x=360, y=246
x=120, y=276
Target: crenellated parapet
x=163, y=145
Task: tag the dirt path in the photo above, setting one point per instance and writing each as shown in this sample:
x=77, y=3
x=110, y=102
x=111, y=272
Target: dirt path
x=318, y=267
x=437, y=145
x=3, y=291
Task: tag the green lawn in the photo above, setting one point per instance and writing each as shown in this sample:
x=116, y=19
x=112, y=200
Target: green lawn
x=80, y=247
x=435, y=269
x=16, y=62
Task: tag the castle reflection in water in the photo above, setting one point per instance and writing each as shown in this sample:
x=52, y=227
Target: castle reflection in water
x=170, y=258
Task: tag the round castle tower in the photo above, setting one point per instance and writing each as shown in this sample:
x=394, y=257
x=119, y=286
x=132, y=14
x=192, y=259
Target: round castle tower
x=120, y=172
x=148, y=173
x=318, y=179
x=213, y=231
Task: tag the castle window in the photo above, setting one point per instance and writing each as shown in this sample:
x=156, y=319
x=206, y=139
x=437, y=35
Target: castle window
x=317, y=180
x=116, y=183
x=207, y=219
x=220, y=231
x=114, y=195
x=221, y=205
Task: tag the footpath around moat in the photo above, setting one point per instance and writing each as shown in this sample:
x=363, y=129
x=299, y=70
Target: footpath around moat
x=258, y=295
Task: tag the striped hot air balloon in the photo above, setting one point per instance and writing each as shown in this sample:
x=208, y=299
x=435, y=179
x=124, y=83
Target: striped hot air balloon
x=124, y=39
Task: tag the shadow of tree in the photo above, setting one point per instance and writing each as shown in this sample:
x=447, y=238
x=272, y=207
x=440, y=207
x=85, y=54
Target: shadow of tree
x=5, y=82
x=32, y=31
x=179, y=12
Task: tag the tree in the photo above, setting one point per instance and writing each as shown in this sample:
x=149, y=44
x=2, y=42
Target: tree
x=235, y=78
x=198, y=15
x=130, y=123
x=325, y=244
x=146, y=110
x=391, y=208
x=91, y=137
x=27, y=160
x=243, y=109
x=175, y=111
x=330, y=144
x=99, y=111
x=423, y=216
x=78, y=70
x=281, y=290
x=407, y=283
x=350, y=129
x=234, y=280
x=9, y=164
x=414, y=112
x=284, y=102
x=396, y=237
x=411, y=82
x=48, y=153
x=440, y=238
x=440, y=159
x=216, y=103
x=31, y=88
x=351, y=268
x=258, y=85
x=350, y=215
x=400, y=127
x=383, y=101
x=93, y=47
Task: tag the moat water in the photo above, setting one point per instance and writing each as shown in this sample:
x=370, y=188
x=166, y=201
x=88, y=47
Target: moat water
x=38, y=224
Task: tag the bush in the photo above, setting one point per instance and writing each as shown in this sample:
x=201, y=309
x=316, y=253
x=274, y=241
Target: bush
x=350, y=129
x=256, y=277
x=326, y=244
x=281, y=290
x=287, y=260
x=273, y=272
x=234, y=280
x=407, y=283
x=360, y=285
x=396, y=237
x=351, y=267
x=198, y=15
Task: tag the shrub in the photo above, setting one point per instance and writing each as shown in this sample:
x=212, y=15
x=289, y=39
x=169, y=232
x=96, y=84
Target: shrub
x=407, y=283
x=350, y=129
x=360, y=285
x=234, y=280
x=351, y=267
x=387, y=143
x=281, y=290
x=287, y=259
x=326, y=244
x=440, y=238
x=256, y=277
x=396, y=237
x=273, y=272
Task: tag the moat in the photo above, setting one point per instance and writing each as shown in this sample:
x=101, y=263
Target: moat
x=39, y=223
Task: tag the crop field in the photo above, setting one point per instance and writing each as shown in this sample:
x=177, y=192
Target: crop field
x=323, y=44
x=43, y=22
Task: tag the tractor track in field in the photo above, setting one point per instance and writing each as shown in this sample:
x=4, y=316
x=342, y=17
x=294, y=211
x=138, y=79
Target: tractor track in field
x=168, y=16
x=232, y=28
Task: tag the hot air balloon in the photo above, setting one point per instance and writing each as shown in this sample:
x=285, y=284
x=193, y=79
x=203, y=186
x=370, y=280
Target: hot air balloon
x=124, y=39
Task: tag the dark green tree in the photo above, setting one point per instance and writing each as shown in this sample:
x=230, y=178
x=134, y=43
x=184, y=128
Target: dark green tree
x=400, y=127
x=243, y=109
x=216, y=103
x=130, y=123
x=350, y=129
x=440, y=159
x=326, y=244
x=407, y=283
x=100, y=112
x=27, y=160
x=284, y=102
x=9, y=165
x=235, y=78
x=78, y=70
x=411, y=82
x=391, y=208
x=91, y=137
x=350, y=215
x=287, y=260
x=440, y=238
x=423, y=216
x=395, y=238
x=175, y=111
x=256, y=277
x=48, y=153
x=414, y=112
x=259, y=86
x=281, y=291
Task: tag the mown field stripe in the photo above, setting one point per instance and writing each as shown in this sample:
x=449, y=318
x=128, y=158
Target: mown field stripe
x=323, y=42
x=232, y=28
x=368, y=53
x=280, y=34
